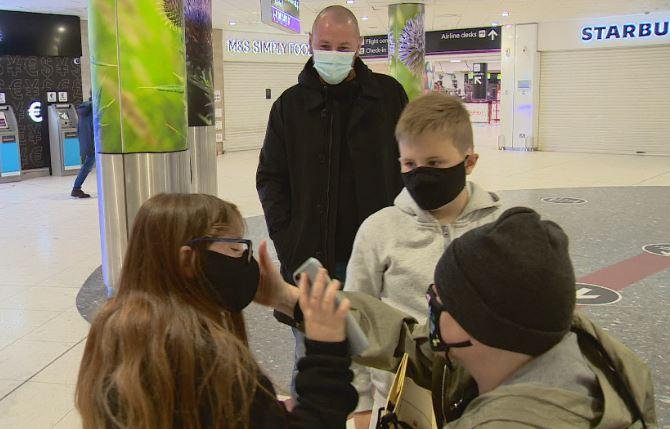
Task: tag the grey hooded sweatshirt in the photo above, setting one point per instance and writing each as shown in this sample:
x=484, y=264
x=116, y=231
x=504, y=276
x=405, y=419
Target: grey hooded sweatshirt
x=394, y=258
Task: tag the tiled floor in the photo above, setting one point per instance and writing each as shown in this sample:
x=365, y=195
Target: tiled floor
x=49, y=244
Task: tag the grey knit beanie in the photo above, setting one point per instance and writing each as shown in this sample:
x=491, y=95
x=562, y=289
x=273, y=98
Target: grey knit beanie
x=510, y=283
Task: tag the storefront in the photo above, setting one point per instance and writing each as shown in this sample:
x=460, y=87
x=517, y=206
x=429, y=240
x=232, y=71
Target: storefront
x=257, y=69
x=604, y=85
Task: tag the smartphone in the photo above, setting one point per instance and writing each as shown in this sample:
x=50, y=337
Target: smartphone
x=358, y=341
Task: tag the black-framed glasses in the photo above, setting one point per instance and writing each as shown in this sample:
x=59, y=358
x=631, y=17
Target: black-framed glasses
x=246, y=246
x=435, y=336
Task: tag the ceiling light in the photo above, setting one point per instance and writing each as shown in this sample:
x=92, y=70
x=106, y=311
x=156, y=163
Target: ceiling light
x=61, y=29
x=350, y=1
x=505, y=13
x=495, y=24
x=455, y=61
x=365, y=18
x=232, y=22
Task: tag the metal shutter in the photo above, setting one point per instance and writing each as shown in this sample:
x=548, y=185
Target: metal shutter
x=606, y=100
x=247, y=110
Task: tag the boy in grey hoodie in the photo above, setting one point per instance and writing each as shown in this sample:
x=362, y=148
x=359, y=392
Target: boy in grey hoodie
x=397, y=248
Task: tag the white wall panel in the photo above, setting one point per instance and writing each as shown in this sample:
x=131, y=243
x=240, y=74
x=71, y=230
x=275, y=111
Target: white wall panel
x=607, y=100
x=246, y=108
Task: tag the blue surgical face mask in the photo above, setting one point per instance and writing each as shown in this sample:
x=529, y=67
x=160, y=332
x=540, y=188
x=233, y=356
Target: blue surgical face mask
x=333, y=66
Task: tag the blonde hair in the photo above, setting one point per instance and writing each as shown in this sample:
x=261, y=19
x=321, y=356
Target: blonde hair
x=438, y=114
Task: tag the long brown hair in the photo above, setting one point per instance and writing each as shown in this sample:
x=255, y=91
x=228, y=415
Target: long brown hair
x=161, y=353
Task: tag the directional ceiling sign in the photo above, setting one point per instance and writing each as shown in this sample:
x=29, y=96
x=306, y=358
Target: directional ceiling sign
x=282, y=14
x=658, y=249
x=564, y=200
x=464, y=40
x=375, y=46
x=588, y=294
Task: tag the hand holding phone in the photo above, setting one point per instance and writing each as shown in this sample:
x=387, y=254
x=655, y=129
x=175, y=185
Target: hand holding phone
x=324, y=319
x=358, y=341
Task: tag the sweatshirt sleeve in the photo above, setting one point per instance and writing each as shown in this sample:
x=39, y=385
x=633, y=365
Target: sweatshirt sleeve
x=391, y=333
x=365, y=271
x=325, y=394
x=365, y=274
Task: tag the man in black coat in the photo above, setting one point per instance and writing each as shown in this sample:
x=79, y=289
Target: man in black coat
x=86, y=147
x=330, y=158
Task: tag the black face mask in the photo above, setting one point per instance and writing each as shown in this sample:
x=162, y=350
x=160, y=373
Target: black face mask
x=234, y=281
x=432, y=187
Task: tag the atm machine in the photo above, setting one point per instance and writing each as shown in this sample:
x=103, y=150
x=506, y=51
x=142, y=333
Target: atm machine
x=10, y=157
x=63, y=140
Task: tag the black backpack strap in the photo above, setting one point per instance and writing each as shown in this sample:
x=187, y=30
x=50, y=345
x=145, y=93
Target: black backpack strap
x=390, y=421
x=619, y=383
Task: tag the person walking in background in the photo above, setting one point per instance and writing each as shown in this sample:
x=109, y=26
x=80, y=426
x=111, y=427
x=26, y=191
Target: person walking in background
x=86, y=146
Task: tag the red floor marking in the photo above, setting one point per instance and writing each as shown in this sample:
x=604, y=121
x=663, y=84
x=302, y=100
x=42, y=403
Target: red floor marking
x=628, y=272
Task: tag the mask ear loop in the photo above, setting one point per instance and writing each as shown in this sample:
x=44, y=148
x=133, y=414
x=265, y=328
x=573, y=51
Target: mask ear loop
x=437, y=343
x=465, y=163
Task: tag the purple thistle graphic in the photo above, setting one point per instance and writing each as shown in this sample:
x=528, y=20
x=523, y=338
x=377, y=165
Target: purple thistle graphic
x=199, y=11
x=199, y=60
x=391, y=44
x=198, y=31
x=413, y=44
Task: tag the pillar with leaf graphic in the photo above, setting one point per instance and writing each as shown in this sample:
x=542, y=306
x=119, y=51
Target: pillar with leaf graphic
x=200, y=91
x=138, y=71
x=138, y=67
x=407, y=46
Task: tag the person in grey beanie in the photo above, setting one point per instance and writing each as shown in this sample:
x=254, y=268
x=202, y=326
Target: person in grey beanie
x=515, y=275
x=503, y=307
x=503, y=346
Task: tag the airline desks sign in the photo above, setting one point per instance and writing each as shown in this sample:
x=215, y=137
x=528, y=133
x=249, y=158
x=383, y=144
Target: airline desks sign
x=464, y=40
x=460, y=40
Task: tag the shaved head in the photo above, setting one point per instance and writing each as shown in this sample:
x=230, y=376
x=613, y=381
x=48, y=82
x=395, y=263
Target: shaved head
x=337, y=15
x=336, y=29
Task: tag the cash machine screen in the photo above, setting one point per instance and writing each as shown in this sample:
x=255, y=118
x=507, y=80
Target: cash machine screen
x=3, y=121
x=63, y=116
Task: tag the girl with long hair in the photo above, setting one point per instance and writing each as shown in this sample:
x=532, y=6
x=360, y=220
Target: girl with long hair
x=170, y=349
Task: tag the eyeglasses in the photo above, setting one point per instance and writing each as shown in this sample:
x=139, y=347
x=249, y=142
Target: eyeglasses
x=245, y=250
x=436, y=342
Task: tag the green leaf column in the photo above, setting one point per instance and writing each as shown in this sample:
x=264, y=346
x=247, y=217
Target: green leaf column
x=138, y=70
x=407, y=46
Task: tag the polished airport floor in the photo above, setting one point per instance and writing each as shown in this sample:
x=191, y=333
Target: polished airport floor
x=49, y=246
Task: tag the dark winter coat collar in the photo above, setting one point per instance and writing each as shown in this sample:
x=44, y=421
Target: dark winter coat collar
x=314, y=98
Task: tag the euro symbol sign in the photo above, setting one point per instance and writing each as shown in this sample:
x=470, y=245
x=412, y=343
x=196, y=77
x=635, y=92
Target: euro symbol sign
x=35, y=111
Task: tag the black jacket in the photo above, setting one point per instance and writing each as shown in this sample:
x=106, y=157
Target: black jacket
x=325, y=394
x=298, y=172
x=85, y=129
